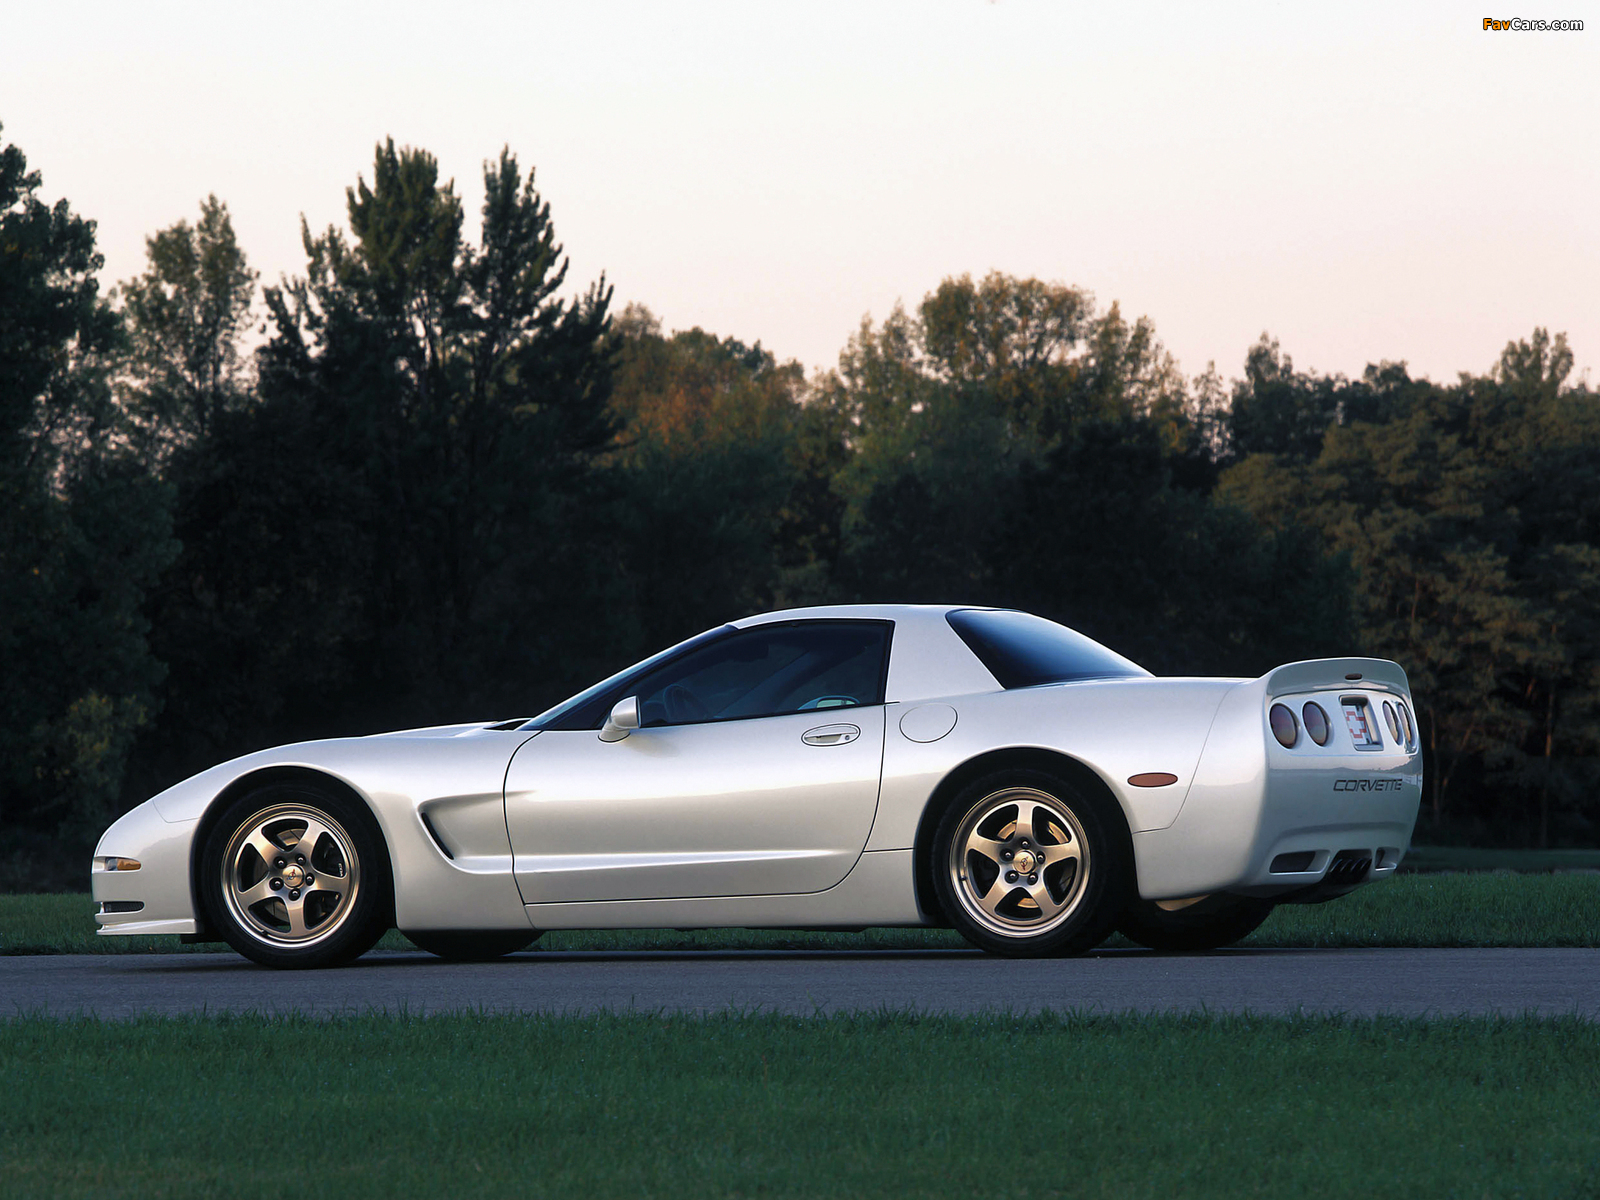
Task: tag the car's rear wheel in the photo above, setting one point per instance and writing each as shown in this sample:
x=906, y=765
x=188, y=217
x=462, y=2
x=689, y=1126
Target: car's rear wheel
x=1207, y=924
x=1027, y=864
x=293, y=875
x=474, y=945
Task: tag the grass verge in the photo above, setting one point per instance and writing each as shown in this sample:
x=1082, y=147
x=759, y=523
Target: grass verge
x=746, y=1105
x=1410, y=910
x=1475, y=858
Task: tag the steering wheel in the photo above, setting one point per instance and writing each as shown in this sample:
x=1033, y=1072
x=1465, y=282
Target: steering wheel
x=683, y=706
x=829, y=702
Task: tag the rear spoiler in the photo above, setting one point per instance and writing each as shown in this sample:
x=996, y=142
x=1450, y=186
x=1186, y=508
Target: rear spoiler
x=1330, y=674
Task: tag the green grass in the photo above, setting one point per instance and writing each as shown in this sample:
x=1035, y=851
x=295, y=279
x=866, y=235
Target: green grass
x=64, y=924
x=1446, y=910
x=1474, y=858
x=745, y=1105
x=1482, y=909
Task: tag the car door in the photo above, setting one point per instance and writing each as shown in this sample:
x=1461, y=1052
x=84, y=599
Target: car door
x=755, y=772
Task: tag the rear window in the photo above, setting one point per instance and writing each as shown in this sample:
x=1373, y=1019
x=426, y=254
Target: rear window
x=1022, y=650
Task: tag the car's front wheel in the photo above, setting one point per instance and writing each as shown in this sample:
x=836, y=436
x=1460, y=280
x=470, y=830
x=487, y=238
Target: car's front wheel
x=1027, y=864
x=293, y=875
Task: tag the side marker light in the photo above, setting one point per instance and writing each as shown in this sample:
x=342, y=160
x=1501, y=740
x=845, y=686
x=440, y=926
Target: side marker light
x=1153, y=779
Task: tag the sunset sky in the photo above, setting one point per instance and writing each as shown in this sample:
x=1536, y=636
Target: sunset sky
x=1364, y=182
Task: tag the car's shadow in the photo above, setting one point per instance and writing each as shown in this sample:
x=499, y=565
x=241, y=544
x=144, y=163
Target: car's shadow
x=418, y=960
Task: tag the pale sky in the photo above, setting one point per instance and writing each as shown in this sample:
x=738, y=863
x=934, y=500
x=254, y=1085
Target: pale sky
x=1365, y=182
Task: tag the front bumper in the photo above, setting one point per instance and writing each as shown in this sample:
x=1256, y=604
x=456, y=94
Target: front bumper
x=157, y=898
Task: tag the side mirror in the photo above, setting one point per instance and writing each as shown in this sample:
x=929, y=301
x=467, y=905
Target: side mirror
x=624, y=719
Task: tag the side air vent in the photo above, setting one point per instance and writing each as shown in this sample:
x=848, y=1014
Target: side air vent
x=437, y=840
x=121, y=906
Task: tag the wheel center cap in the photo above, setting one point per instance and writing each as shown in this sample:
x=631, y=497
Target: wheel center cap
x=1024, y=862
x=294, y=875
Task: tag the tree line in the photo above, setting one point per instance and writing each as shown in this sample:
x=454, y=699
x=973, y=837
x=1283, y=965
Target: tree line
x=431, y=479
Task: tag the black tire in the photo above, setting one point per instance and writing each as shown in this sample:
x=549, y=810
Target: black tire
x=345, y=900
x=1078, y=899
x=482, y=945
x=1208, y=924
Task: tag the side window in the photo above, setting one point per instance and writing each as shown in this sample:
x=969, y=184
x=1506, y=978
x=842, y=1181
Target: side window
x=769, y=670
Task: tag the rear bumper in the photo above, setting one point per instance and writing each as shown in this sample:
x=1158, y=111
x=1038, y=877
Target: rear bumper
x=1306, y=839
x=1274, y=844
x=157, y=898
x=1293, y=824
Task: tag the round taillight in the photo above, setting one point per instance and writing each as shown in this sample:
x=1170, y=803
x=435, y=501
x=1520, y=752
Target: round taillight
x=1316, y=722
x=1410, y=730
x=1393, y=719
x=1284, y=727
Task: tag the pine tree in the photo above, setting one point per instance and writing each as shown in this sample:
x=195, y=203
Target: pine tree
x=84, y=531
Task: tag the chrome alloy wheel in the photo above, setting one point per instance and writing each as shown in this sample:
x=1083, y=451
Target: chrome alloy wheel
x=290, y=875
x=1019, y=862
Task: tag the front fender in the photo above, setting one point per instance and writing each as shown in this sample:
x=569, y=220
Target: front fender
x=160, y=885
x=456, y=776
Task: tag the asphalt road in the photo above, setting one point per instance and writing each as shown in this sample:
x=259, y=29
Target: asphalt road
x=1356, y=982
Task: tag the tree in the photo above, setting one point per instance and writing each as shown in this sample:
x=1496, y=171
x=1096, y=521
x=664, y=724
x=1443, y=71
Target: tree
x=945, y=410
x=1279, y=411
x=715, y=514
x=1553, y=457
x=1099, y=537
x=185, y=316
x=1468, y=513
x=84, y=530
x=1012, y=445
x=388, y=534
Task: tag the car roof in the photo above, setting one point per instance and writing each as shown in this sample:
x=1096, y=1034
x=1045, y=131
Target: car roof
x=858, y=612
x=929, y=659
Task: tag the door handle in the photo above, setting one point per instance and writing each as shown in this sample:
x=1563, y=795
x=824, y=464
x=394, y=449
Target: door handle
x=830, y=735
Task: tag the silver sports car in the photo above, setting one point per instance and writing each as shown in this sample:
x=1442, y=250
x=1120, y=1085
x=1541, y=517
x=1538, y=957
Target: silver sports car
x=838, y=767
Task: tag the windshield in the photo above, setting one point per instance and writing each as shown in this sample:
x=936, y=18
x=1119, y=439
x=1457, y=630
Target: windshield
x=1022, y=650
x=574, y=713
